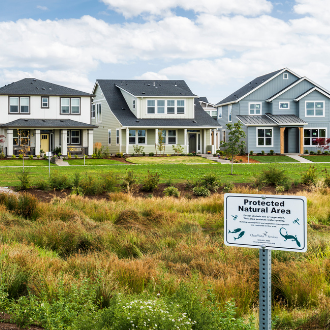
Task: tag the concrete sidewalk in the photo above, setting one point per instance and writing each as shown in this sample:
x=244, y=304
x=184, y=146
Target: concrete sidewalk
x=298, y=158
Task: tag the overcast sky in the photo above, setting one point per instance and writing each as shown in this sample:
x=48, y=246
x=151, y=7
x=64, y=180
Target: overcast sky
x=216, y=46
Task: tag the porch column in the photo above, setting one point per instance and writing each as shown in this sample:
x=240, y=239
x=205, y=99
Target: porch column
x=156, y=139
x=64, y=142
x=84, y=138
x=301, y=145
x=185, y=140
x=10, y=148
x=90, y=139
x=204, y=141
x=120, y=139
x=37, y=149
x=282, y=140
x=127, y=140
x=214, y=141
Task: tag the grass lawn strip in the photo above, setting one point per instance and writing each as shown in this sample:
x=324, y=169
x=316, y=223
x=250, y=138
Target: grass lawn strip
x=318, y=158
x=92, y=161
x=27, y=162
x=273, y=159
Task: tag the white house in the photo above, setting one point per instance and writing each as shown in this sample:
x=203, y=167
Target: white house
x=41, y=115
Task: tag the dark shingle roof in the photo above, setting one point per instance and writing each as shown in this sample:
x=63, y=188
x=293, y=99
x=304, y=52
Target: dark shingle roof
x=248, y=87
x=203, y=99
x=286, y=119
x=31, y=86
x=47, y=123
x=155, y=87
x=117, y=103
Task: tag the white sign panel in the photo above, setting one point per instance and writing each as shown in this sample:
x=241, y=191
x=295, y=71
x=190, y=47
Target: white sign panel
x=272, y=222
x=49, y=154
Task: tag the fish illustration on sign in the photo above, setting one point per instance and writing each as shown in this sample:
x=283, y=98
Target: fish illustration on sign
x=235, y=231
x=284, y=233
x=240, y=235
x=234, y=217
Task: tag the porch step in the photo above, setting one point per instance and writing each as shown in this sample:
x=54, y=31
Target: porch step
x=61, y=162
x=216, y=159
x=298, y=158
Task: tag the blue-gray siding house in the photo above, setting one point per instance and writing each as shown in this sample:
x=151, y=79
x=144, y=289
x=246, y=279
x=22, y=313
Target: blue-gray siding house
x=280, y=111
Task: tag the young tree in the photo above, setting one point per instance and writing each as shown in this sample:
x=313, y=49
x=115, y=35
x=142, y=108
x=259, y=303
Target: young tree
x=235, y=143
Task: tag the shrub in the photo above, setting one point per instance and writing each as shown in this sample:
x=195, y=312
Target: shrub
x=262, y=152
x=310, y=177
x=90, y=186
x=201, y=191
x=138, y=149
x=119, y=154
x=271, y=152
x=13, y=157
x=312, y=152
x=172, y=191
x=59, y=181
x=76, y=156
x=251, y=152
x=25, y=181
x=42, y=184
x=20, y=156
x=319, y=152
x=69, y=155
x=228, y=187
x=76, y=180
x=31, y=157
x=178, y=149
x=210, y=182
x=273, y=177
x=151, y=154
x=129, y=183
x=150, y=182
x=38, y=156
x=306, y=152
x=326, y=152
x=2, y=155
x=109, y=182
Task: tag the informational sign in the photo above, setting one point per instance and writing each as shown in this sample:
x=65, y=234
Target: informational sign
x=49, y=154
x=266, y=221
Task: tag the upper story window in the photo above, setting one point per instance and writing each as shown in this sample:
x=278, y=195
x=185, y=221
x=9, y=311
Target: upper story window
x=70, y=106
x=314, y=109
x=284, y=105
x=93, y=111
x=170, y=107
x=255, y=108
x=151, y=106
x=133, y=105
x=117, y=136
x=19, y=104
x=109, y=136
x=285, y=75
x=220, y=112
x=230, y=108
x=212, y=113
x=44, y=101
x=99, y=113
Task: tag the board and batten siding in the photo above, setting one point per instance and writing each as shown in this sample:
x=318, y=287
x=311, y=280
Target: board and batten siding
x=109, y=121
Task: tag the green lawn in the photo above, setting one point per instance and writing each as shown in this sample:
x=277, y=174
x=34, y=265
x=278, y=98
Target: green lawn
x=27, y=162
x=169, y=160
x=93, y=162
x=174, y=173
x=273, y=159
x=318, y=158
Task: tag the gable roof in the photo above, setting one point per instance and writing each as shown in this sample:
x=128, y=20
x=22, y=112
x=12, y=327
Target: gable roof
x=146, y=88
x=32, y=86
x=310, y=91
x=120, y=109
x=47, y=123
x=252, y=86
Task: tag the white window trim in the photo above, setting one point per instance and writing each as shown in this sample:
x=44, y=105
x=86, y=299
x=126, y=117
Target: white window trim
x=70, y=106
x=255, y=114
x=75, y=130
x=279, y=105
x=137, y=136
x=230, y=112
x=109, y=137
x=134, y=104
x=150, y=106
x=223, y=137
x=93, y=111
x=264, y=146
x=165, y=107
x=285, y=75
x=42, y=103
x=220, y=112
x=19, y=109
x=98, y=118
x=314, y=109
x=166, y=136
x=117, y=137
x=314, y=146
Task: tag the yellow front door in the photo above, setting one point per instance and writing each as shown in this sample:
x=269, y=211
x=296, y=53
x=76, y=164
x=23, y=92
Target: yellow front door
x=44, y=143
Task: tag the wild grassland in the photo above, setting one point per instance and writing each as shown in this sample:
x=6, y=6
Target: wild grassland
x=88, y=256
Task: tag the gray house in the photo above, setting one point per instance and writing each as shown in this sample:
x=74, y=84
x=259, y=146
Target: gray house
x=134, y=112
x=280, y=111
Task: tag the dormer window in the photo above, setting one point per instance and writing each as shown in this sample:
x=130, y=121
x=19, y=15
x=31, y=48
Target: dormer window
x=180, y=107
x=160, y=106
x=285, y=75
x=133, y=104
x=170, y=107
x=151, y=106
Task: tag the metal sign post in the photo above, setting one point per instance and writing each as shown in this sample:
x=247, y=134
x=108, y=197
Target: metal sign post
x=265, y=289
x=49, y=154
x=269, y=223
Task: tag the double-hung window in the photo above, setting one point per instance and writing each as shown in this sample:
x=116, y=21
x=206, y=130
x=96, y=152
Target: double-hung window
x=284, y=105
x=255, y=108
x=73, y=137
x=314, y=109
x=99, y=113
x=169, y=136
x=44, y=101
x=264, y=137
x=19, y=104
x=109, y=136
x=180, y=107
x=220, y=112
x=93, y=111
x=151, y=106
x=139, y=134
x=160, y=106
x=170, y=107
x=230, y=108
x=70, y=106
x=312, y=134
x=117, y=136
x=133, y=104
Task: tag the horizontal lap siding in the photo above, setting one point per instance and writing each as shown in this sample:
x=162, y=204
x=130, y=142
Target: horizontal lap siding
x=252, y=141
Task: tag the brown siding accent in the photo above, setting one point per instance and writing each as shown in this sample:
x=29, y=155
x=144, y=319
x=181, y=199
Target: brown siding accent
x=301, y=131
x=282, y=139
